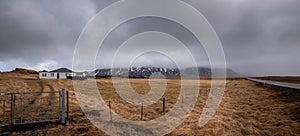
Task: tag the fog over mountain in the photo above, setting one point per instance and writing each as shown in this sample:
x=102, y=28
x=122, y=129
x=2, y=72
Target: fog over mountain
x=258, y=37
x=160, y=72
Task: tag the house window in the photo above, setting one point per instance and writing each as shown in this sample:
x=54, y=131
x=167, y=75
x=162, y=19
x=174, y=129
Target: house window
x=44, y=75
x=52, y=74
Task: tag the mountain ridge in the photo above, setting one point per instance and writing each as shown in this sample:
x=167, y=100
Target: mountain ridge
x=148, y=72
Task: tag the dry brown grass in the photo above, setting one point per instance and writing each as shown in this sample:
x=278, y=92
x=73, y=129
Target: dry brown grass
x=246, y=109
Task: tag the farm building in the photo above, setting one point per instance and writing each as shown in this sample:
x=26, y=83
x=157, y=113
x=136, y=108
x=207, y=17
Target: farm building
x=61, y=73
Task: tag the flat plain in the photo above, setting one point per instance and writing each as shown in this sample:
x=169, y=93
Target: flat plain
x=247, y=108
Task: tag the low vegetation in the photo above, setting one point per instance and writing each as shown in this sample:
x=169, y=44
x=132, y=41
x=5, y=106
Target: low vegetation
x=247, y=108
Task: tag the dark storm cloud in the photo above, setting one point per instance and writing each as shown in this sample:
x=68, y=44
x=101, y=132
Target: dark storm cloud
x=259, y=37
x=145, y=24
x=35, y=33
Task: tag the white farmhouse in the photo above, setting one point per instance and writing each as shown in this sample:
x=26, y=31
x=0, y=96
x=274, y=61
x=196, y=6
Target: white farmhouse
x=60, y=73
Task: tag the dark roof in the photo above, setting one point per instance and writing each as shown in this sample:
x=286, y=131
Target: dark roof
x=63, y=70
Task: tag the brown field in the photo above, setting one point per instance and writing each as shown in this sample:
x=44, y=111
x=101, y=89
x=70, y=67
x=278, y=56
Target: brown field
x=247, y=108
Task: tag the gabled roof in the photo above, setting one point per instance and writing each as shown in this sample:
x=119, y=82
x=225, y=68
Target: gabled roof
x=62, y=70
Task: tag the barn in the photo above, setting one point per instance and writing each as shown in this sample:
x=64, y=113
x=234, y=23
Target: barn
x=61, y=73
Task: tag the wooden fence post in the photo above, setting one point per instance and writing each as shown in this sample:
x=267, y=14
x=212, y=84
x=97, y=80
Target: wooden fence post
x=164, y=104
x=63, y=106
x=110, y=114
x=142, y=111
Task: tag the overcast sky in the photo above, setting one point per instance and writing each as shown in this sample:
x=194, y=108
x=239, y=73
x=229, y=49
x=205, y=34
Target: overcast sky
x=259, y=37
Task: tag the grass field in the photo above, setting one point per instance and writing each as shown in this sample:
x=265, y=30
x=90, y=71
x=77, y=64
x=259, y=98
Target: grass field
x=247, y=108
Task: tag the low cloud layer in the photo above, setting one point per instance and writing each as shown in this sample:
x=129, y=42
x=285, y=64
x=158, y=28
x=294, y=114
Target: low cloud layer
x=258, y=37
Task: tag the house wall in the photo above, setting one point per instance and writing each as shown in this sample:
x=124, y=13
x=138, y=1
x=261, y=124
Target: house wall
x=50, y=75
x=62, y=75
